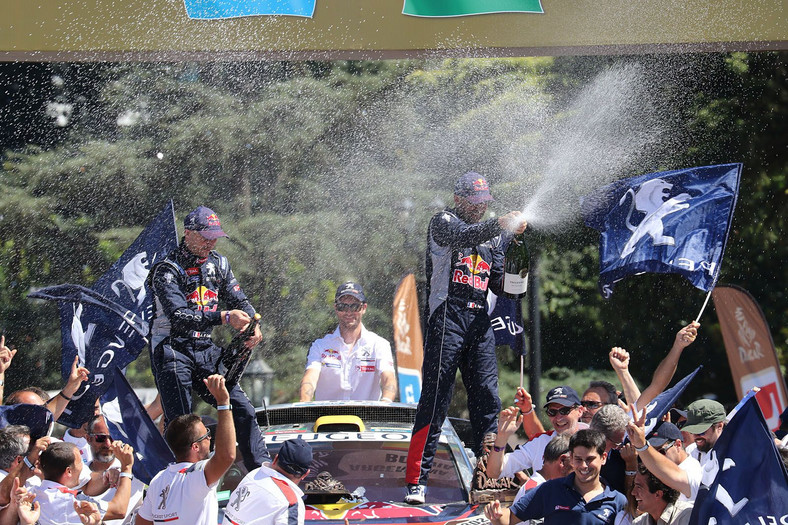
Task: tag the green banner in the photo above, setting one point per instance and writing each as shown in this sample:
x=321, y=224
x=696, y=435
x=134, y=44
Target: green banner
x=469, y=7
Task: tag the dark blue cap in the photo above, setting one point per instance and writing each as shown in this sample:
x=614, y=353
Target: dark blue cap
x=295, y=456
x=352, y=289
x=664, y=432
x=473, y=187
x=563, y=395
x=205, y=221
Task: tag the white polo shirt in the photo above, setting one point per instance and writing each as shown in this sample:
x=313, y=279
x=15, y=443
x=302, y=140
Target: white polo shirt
x=180, y=494
x=137, y=489
x=350, y=373
x=526, y=456
x=267, y=497
x=57, y=503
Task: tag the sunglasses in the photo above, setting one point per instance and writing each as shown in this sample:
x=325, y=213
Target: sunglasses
x=616, y=445
x=551, y=412
x=207, y=435
x=101, y=438
x=348, y=307
x=591, y=404
x=664, y=449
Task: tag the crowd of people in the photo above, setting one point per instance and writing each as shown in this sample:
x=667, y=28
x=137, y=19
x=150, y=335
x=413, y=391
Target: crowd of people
x=596, y=465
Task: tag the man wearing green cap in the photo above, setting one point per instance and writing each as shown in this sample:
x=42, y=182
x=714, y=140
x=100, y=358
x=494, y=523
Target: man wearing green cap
x=705, y=421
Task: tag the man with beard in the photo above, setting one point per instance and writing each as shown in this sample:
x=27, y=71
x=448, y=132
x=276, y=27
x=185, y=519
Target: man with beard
x=186, y=490
x=464, y=259
x=104, y=461
x=705, y=421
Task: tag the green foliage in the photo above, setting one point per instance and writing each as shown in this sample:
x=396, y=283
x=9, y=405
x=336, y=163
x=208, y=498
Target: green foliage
x=328, y=171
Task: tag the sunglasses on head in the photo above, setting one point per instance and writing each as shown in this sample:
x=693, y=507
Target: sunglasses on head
x=207, y=435
x=552, y=412
x=101, y=438
x=348, y=307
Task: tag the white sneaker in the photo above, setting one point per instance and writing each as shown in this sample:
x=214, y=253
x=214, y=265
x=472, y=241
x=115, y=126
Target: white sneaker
x=415, y=494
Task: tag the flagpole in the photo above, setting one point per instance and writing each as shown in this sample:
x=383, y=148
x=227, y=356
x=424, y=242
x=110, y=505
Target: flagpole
x=702, y=308
x=522, y=368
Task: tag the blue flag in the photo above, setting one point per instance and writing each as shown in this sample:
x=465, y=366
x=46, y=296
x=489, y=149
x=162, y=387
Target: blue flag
x=212, y=9
x=100, y=336
x=153, y=453
x=507, y=322
x=744, y=481
x=660, y=405
x=669, y=222
x=36, y=417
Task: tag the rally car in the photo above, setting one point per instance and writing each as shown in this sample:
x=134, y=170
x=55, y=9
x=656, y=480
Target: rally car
x=358, y=468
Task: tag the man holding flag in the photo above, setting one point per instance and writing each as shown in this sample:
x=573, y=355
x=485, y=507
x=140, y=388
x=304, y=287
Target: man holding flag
x=188, y=287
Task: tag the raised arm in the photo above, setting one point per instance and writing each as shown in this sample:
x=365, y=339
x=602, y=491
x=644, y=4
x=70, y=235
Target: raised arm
x=6, y=356
x=667, y=367
x=531, y=424
x=224, y=444
x=116, y=510
x=508, y=422
x=58, y=404
x=619, y=360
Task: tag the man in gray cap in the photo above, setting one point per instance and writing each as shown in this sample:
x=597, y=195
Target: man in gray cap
x=351, y=362
x=705, y=421
x=270, y=494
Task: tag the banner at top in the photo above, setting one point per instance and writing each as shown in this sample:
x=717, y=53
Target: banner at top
x=432, y=8
x=216, y=9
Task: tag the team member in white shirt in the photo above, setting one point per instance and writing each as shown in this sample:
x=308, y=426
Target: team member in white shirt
x=270, y=494
x=351, y=362
x=105, y=462
x=186, y=491
x=61, y=465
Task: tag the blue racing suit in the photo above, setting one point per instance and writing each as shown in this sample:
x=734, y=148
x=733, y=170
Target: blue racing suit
x=463, y=261
x=187, y=292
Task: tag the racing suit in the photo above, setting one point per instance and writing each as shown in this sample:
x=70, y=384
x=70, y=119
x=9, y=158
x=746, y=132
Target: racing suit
x=187, y=291
x=463, y=261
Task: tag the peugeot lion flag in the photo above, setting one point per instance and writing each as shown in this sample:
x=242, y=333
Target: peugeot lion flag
x=744, y=481
x=103, y=336
x=668, y=222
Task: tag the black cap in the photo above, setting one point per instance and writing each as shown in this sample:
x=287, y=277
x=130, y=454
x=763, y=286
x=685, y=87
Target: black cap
x=473, y=187
x=664, y=432
x=295, y=456
x=563, y=395
x=352, y=289
x=205, y=221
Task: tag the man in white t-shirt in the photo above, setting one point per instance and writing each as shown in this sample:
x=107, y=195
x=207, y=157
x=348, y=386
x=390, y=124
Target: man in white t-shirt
x=186, y=490
x=351, y=362
x=105, y=462
x=564, y=410
x=270, y=495
x=61, y=465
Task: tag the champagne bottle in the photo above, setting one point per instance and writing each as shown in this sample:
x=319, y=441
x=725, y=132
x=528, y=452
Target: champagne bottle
x=515, y=267
x=236, y=355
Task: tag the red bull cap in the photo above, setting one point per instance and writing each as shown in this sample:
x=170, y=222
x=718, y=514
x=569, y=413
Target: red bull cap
x=205, y=221
x=473, y=187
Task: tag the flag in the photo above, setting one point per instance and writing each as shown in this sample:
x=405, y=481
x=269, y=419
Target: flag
x=101, y=338
x=213, y=9
x=432, y=8
x=750, y=348
x=75, y=293
x=37, y=418
x=138, y=430
x=660, y=405
x=668, y=222
x=507, y=322
x=744, y=481
x=408, y=342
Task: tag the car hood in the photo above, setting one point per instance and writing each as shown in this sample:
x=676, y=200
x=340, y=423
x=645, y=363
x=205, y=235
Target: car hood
x=381, y=513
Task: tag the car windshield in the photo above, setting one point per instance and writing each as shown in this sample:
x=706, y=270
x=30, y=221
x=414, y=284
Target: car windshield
x=368, y=470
